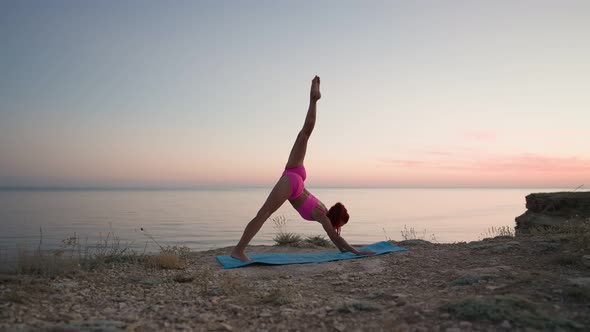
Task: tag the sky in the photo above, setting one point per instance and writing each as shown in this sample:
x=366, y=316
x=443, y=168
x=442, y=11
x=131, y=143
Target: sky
x=213, y=93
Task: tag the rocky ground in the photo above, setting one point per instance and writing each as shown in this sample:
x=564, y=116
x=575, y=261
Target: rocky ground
x=529, y=283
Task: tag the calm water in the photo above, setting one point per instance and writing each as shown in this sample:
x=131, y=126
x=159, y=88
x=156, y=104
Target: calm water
x=205, y=219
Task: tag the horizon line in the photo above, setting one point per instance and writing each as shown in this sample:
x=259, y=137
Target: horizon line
x=230, y=187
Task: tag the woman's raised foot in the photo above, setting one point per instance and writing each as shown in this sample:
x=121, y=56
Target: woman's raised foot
x=315, y=89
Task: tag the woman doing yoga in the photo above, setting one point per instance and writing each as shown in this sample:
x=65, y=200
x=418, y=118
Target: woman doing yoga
x=291, y=187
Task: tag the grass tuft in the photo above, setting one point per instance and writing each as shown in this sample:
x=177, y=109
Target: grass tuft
x=282, y=237
x=498, y=232
x=318, y=240
x=165, y=261
x=411, y=234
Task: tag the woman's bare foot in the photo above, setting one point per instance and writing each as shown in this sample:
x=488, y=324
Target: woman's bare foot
x=315, y=89
x=240, y=255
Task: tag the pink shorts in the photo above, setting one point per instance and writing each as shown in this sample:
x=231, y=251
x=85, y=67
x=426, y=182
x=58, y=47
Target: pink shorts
x=297, y=177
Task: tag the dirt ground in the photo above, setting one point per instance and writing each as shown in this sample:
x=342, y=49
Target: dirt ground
x=528, y=283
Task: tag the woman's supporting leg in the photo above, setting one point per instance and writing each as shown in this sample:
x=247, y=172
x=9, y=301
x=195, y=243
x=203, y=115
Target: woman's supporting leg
x=279, y=194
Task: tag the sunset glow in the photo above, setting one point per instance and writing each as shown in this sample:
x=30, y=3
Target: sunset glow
x=206, y=94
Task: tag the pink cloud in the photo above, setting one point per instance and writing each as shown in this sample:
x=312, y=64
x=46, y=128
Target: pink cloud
x=494, y=170
x=523, y=162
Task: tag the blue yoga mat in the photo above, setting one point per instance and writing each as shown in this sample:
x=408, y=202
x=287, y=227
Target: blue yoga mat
x=316, y=257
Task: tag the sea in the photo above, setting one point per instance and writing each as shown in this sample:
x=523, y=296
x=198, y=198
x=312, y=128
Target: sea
x=203, y=219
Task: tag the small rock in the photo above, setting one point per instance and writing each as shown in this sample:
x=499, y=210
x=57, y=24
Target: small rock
x=340, y=327
x=506, y=325
x=465, y=325
x=235, y=308
x=445, y=315
x=183, y=278
x=204, y=317
x=586, y=260
x=265, y=314
x=226, y=327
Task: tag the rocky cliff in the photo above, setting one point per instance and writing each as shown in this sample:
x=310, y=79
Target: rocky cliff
x=554, y=209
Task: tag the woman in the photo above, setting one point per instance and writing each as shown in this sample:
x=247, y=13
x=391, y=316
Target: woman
x=291, y=187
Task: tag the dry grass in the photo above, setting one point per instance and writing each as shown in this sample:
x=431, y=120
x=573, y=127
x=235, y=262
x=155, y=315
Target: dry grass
x=411, y=234
x=165, y=261
x=578, y=233
x=282, y=237
x=74, y=256
x=44, y=264
x=502, y=231
x=318, y=240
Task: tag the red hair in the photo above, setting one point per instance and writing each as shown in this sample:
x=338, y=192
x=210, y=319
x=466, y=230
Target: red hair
x=338, y=216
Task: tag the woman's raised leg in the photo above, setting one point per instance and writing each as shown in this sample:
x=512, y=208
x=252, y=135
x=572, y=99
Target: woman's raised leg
x=279, y=194
x=297, y=155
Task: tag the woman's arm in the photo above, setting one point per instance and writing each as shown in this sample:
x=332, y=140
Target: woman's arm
x=338, y=240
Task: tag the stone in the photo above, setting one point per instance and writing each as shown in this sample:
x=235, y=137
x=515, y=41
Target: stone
x=506, y=325
x=452, y=329
x=226, y=327
x=339, y=327
x=586, y=260
x=265, y=314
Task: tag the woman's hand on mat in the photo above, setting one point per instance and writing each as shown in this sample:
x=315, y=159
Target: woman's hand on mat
x=366, y=252
x=315, y=94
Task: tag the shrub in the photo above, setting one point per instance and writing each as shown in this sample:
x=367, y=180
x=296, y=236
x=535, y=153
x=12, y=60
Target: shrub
x=165, y=261
x=319, y=240
x=282, y=237
x=498, y=232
